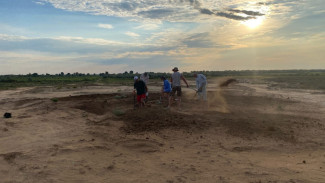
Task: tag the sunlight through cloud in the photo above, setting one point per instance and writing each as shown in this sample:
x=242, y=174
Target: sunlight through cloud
x=253, y=23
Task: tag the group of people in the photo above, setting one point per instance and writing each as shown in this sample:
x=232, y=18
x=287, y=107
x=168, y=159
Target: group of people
x=169, y=89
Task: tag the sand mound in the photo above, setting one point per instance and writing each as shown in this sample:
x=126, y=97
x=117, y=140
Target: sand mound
x=155, y=119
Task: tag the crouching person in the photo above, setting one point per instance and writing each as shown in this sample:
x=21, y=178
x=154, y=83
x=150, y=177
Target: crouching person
x=140, y=89
x=166, y=89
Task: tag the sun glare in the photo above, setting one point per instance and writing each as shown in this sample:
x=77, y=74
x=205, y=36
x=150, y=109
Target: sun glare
x=253, y=23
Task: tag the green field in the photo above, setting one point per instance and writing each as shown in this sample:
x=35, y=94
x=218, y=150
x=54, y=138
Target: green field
x=298, y=79
x=10, y=82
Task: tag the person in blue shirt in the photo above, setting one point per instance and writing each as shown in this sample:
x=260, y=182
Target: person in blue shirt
x=166, y=89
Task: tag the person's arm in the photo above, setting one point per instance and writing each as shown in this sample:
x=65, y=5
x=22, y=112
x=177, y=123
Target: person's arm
x=200, y=87
x=184, y=80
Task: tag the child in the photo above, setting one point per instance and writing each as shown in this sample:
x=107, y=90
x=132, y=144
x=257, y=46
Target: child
x=166, y=89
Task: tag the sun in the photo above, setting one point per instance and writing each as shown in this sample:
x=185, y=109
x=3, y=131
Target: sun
x=253, y=23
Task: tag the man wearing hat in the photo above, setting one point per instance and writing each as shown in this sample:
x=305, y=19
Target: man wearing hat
x=140, y=88
x=176, y=86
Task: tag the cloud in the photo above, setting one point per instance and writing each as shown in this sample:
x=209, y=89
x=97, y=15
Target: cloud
x=39, y=62
x=63, y=44
x=39, y=3
x=187, y=32
x=230, y=14
x=233, y=16
x=251, y=13
x=157, y=13
x=105, y=26
x=165, y=10
x=148, y=26
x=132, y=34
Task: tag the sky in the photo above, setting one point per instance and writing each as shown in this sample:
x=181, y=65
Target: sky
x=95, y=36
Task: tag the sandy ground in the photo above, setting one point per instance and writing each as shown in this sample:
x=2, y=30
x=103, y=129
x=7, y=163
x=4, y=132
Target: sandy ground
x=249, y=133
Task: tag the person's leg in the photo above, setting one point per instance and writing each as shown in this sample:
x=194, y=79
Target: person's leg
x=144, y=98
x=139, y=100
x=204, y=93
x=204, y=97
x=199, y=96
x=179, y=97
x=166, y=96
x=142, y=103
x=171, y=96
x=170, y=101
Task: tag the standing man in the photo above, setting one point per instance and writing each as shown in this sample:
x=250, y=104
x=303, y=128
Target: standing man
x=140, y=90
x=201, y=84
x=176, y=86
x=145, y=78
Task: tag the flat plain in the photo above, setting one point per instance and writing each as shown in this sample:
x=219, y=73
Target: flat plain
x=254, y=132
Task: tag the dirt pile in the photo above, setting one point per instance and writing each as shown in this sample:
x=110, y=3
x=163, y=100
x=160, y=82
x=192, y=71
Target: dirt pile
x=155, y=119
x=227, y=82
x=98, y=104
x=94, y=107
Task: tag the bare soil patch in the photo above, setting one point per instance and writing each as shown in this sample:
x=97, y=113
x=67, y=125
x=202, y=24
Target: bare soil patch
x=242, y=136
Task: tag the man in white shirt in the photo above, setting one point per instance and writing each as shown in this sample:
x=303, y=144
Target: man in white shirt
x=145, y=78
x=201, y=84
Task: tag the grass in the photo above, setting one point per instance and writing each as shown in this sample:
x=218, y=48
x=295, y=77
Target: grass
x=315, y=81
x=54, y=99
x=118, y=112
x=17, y=81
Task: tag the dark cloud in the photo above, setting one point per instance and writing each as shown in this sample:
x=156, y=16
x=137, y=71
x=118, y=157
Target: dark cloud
x=251, y=13
x=206, y=11
x=230, y=14
x=233, y=16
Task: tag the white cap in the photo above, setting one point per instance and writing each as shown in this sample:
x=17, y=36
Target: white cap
x=136, y=77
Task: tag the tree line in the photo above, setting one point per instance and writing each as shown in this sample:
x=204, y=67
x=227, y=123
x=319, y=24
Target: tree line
x=131, y=73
